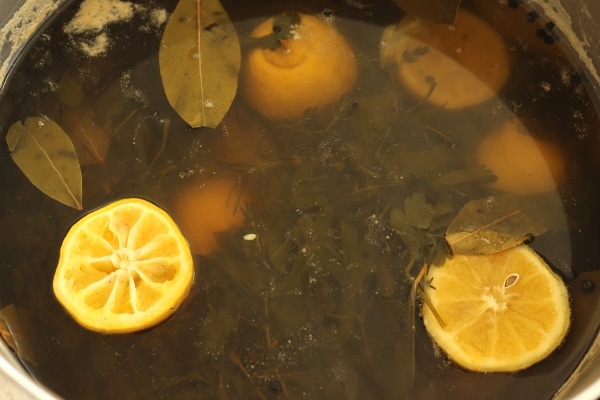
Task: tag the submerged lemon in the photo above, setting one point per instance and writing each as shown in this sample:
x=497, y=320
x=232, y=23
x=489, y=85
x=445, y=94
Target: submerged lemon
x=123, y=267
x=312, y=69
x=503, y=312
x=451, y=66
x=522, y=164
x=207, y=207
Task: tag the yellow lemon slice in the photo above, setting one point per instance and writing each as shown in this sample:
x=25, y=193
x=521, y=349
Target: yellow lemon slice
x=313, y=69
x=503, y=312
x=123, y=267
x=451, y=66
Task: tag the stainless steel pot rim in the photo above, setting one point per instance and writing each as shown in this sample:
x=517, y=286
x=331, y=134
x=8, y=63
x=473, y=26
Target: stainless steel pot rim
x=16, y=384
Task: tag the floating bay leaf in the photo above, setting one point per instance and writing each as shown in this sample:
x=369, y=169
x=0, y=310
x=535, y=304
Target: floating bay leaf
x=436, y=11
x=45, y=154
x=199, y=60
x=491, y=225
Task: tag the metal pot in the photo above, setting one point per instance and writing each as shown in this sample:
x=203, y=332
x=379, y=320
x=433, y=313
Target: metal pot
x=577, y=20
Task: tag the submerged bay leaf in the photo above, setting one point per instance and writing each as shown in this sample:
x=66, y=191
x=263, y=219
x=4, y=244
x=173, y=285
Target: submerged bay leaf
x=45, y=154
x=199, y=60
x=436, y=11
x=91, y=141
x=17, y=332
x=491, y=225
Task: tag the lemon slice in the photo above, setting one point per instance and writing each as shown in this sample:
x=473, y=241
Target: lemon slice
x=502, y=312
x=123, y=268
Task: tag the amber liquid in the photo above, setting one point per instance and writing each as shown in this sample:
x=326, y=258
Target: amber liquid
x=317, y=308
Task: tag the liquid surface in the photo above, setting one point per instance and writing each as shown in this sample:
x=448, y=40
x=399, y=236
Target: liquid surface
x=308, y=298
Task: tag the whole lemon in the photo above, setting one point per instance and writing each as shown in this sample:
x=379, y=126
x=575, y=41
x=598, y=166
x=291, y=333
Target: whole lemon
x=312, y=68
x=209, y=206
x=522, y=163
x=451, y=66
x=240, y=138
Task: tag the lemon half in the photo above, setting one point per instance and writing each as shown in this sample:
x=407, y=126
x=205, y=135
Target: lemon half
x=503, y=312
x=123, y=267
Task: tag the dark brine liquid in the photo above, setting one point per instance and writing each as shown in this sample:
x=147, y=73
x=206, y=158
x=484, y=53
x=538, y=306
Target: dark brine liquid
x=316, y=305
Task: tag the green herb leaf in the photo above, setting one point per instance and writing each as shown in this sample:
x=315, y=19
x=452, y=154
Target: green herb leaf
x=411, y=237
x=491, y=225
x=199, y=60
x=418, y=211
x=45, y=154
x=436, y=11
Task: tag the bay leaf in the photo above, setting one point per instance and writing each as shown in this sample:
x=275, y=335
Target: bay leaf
x=436, y=11
x=16, y=329
x=90, y=140
x=491, y=225
x=199, y=60
x=45, y=154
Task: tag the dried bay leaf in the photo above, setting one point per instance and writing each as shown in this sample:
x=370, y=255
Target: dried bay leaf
x=436, y=11
x=199, y=60
x=45, y=154
x=491, y=225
